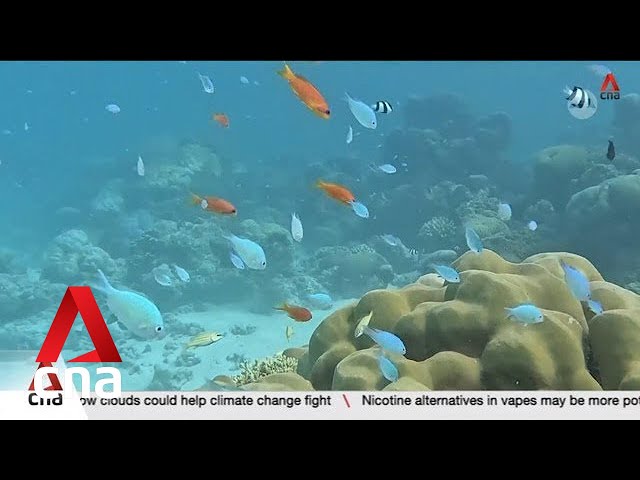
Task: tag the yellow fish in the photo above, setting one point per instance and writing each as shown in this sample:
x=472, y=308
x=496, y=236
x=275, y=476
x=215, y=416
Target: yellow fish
x=289, y=332
x=364, y=322
x=204, y=339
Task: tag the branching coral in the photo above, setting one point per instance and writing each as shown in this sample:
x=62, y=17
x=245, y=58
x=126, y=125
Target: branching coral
x=437, y=233
x=254, y=371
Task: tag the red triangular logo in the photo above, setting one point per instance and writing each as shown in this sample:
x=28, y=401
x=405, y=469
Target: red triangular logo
x=610, y=80
x=79, y=300
x=53, y=378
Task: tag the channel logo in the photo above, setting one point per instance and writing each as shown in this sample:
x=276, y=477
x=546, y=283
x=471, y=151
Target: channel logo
x=76, y=300
x=610, y=89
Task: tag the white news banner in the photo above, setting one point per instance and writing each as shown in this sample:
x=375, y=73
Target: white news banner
x=335, y=405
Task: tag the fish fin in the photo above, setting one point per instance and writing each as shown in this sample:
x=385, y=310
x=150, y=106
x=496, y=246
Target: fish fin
x=282, y=307
x=286, y=72
x=195, y=199
x=105, y=286
x=347, y=97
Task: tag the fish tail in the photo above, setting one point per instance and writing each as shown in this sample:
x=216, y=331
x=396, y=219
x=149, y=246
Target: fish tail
x=195, y=199
x=286, y=72
x=509, y=312
x=346, y=97
x=319, y=183
x=284, y=307
x=104, y=285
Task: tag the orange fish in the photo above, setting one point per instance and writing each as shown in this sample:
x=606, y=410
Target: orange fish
x=306, y=92
x=214, y=204
x=337, y=192
x=299, y=314
x=221, y=118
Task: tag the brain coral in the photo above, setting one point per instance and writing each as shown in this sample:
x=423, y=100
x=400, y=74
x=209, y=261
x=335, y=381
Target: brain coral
x=458, y=336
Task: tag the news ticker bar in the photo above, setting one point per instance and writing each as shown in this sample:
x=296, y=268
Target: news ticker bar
x=481, y=405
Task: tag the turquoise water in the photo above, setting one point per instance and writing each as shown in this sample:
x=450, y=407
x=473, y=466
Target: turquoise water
x=271, y=155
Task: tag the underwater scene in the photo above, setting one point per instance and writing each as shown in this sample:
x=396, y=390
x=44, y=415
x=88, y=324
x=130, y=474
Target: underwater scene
x=328, y=225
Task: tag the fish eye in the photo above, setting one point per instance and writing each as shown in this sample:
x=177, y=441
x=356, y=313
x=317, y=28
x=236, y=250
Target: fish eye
x=264, y=264
x=328, y=112
x=158, y=328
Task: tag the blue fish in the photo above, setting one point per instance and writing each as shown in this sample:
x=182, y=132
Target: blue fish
x=577, y=282
x=473, y=240
x=388, y=369
x=595, y=306
x=526, y=313
x=448, y=273
x=320, y=300
x=360, y=209
x=386, y=340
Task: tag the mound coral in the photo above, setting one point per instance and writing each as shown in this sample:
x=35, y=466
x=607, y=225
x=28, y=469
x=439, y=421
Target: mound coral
x=555, y=167
x=458, y=336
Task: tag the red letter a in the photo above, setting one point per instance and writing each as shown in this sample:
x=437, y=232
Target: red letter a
x=610, y=79
x=79, y=300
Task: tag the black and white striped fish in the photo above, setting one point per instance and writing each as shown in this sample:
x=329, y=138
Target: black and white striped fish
x=382, y=107
x=578, y=97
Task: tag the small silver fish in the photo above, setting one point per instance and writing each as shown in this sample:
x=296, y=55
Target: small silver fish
x=595, y=306
x=244, y=80
x=448, y=273
x=360, y=209
x=363, y=112
x=113, y=108
x=577, y=282
x=387, y=168
x=390, y=239
x=163, y=279
x=388, y=369
x=181, y=273
x=526, y=313
x=140, y=166
x=207, y=85
x=386, y=340
x=473, y=240
x=349, y=135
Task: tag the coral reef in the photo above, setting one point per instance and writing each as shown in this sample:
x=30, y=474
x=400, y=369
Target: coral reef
x=21, y=296
x=256, y=370
x=350, y=271
x=554, y=168
x=176, y=175
x=458, y=336
x=72, y=258
x=438, y=233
